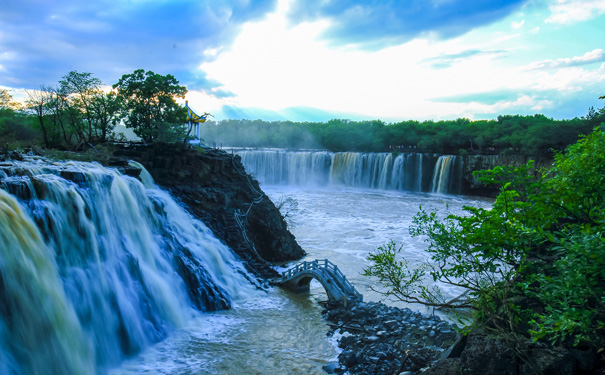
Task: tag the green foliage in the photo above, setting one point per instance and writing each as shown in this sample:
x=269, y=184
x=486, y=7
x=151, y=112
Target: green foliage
x=535, y=263
x=574, y=295
x=401, y=281
x=150, y=108
x=16, y=128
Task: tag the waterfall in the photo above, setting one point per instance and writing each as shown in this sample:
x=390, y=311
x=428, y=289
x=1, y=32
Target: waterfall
x=386, y=171
x=447, y=174
x=95, y=266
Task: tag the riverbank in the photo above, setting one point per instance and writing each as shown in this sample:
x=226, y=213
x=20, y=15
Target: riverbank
x=380, y=339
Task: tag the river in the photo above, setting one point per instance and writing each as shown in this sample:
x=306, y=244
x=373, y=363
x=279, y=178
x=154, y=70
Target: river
x=97, y=250
x=282, y=333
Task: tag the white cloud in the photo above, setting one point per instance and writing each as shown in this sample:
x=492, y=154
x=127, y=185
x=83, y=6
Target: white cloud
x=274, y=66
x=571, y=11
x=518, y=25
x=589, y=57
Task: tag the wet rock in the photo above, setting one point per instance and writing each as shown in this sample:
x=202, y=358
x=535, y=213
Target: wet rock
x=486, y=355
x=330, y=368
x=388, y=342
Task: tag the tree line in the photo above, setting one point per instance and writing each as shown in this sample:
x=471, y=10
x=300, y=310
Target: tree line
x=77, y=112
x=508, y=134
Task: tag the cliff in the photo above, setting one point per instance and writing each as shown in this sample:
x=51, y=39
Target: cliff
x=215, y=188
x=472, y=163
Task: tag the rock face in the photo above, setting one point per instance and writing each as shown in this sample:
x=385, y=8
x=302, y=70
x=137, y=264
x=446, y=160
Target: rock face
x=215, y=188
x=471, y=163
x=485, y=354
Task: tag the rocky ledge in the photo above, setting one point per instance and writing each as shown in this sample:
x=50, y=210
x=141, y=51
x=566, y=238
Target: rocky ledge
x=380, y=339
x=214, y=187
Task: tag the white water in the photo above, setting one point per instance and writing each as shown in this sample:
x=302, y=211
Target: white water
x=345, y=225
x=92, y=227
x=385, y=171
x=97, y=279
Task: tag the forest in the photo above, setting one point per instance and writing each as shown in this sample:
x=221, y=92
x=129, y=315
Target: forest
x=508, y=134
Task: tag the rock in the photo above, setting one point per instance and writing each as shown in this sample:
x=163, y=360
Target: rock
x=557, y=361
x=488, y=356
x=330, y=368
x=586, y=359
x=385, y=351
x=214, y=186
x=450, y=366
x=455, y=350
x=348, y=358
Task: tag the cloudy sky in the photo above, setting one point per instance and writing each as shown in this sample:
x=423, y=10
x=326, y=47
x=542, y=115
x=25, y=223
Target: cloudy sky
x=315, y=60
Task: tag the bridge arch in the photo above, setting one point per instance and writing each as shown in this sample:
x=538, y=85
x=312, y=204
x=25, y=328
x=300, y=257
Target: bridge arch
x=338, y=288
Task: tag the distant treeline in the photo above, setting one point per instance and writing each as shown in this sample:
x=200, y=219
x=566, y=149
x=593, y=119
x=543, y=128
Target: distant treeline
x=527, y=135
x=77, y=113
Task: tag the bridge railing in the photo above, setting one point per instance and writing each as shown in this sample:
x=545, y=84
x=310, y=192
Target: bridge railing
x=322, y=265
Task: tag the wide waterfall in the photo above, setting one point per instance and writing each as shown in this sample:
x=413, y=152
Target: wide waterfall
x=95, y=266
x=387, y=171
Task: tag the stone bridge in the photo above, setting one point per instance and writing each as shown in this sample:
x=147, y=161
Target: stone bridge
x=337, y=287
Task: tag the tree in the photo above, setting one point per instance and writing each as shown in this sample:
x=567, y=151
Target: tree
x=106, y=109
x=38, y=103
x=7, y=102
x=534, y=264
x=150, y=108
x=81, y=89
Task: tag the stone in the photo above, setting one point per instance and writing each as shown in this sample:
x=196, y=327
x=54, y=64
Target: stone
x=586, y=359
x=557, y=361
x=330, y=368
x=488, y=356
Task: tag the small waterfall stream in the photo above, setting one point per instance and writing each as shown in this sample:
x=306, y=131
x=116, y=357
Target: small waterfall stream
x=95, y=266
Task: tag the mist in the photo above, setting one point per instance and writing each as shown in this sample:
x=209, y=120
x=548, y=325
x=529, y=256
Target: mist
x=258, y=133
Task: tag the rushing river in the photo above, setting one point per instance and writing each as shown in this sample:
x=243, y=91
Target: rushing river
x=345, y=225
x=70, y=233
x=282, y=333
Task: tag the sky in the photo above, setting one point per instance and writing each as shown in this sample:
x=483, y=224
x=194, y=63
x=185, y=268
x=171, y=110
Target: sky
x=392, y=60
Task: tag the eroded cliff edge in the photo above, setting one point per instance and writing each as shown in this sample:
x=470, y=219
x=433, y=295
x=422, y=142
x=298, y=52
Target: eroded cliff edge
x=214, y=187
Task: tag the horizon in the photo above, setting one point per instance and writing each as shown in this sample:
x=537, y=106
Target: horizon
x=291, y=61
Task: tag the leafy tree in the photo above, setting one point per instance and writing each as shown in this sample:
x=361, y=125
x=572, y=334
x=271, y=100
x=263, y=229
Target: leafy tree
x=533, y=264
x=150, y=108
x=105, y=109
x=80, y=90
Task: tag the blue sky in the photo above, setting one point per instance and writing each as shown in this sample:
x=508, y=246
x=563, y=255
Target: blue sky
x=316, y=60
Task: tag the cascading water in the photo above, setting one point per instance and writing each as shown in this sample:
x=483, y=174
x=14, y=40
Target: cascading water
x=95, y=266
x=386, y=171
x=447, y=175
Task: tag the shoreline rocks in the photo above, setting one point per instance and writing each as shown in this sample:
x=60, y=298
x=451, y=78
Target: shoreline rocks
x=380, y=339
